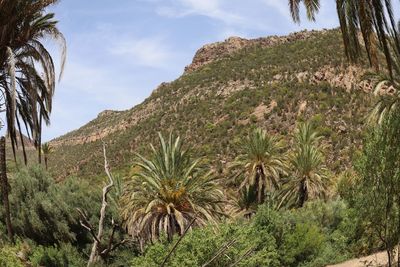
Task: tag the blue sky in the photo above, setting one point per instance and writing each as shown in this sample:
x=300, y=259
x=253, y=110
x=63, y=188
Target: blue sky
x=119, y=51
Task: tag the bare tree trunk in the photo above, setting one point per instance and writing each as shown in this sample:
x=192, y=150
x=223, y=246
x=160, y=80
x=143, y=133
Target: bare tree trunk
x=45, y=161
x=94, y=253
x=389, y=254
x=4, y=188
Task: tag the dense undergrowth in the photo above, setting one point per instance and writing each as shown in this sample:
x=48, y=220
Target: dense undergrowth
x=49, y=233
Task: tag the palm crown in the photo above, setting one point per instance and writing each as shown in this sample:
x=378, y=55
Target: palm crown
x=260, y=164
x=308, y=178
x=168, y=191
x=27, y=70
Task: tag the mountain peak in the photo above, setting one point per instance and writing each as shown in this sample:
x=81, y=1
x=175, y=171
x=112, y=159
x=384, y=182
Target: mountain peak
x=216, y=51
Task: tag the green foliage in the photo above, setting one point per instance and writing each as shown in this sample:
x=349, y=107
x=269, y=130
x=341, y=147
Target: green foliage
x=38, y=209
x=168, y=191
x=45, y=211
x=308, y=178
x=199, y=246
x=278, y=238
x=211, y=122
x=259, y=165
x=378, y=189
x=64, y=255
x=8, y=256
x=302, y=244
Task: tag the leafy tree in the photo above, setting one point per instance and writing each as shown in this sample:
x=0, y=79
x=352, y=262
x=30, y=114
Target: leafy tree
x=308, y=178
x=260, y=165
x=168, y=190
x=27, y=75
x=39, y=211
x=378, y=198
x=44, y=210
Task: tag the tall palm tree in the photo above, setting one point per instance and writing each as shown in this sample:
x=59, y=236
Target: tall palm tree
x=46, y=150
x=27, y=75
x=308, y=177
x=167, y=191
x=260, y=164
x=373, y=19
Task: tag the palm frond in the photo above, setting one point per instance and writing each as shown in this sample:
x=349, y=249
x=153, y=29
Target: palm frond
x=168, y=190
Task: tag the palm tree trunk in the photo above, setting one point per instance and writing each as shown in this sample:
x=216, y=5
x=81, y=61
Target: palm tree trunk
x=303, y=194
x=40, y=139
x=374, y=53
x=22, y=142
x=4, y=188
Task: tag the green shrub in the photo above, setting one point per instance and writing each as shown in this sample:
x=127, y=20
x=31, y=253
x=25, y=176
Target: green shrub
x=8, y=256
x=200, y=245
x=58, y=256
x=302, y=244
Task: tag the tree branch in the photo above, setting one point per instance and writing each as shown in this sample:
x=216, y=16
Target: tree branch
x=177, y=242
x=220, y=251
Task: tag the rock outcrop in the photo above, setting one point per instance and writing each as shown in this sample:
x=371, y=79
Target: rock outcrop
x=216, y=51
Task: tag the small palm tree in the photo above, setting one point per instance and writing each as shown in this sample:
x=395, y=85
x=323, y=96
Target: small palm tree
x=260, y=164
x=46, y=150
x=167, y=191
x=308, y=178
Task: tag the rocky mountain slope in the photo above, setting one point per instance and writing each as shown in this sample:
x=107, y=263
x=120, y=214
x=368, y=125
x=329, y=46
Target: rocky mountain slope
x=230, y=88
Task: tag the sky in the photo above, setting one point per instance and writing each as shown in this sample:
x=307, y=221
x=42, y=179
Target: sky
x=120, y=51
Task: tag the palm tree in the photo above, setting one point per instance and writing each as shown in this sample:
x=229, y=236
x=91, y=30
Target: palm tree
x=308, y=178
x=46, y=150
x=27, y=75
x=387, y=88
x=260, y=164
x=373, y=19
x=312, y=7
x=167, y=191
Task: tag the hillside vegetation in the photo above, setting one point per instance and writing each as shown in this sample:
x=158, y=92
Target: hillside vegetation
x=256, y=85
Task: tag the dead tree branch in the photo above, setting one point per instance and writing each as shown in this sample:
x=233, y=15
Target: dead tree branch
x=96, y=250
x=106, y=190
x=244, y=256
x=220, y=251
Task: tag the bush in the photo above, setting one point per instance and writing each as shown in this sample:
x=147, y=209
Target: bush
x=8, y=256
x=45, y=211
x=58, y=256
x=200, y=245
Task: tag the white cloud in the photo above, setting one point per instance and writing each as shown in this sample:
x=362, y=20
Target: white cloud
x=104, y=85
x=149, y=52
x=280, y=5
x=208, y=8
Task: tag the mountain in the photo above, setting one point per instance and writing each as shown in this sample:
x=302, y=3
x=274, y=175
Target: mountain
x=230, y=88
